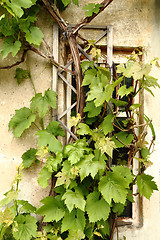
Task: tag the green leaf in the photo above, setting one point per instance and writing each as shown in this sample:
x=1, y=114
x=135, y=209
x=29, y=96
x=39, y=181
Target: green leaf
x=21, y=121
x=24, y=228
x=21, y=74
x=134, y=69
x=105, y=144
x=74, y=199
x=150, y=125
x=97, y=208
x=29, y=157
x=83, y=129
x=17, y=5
x=73, y=221
x=113, y=186
x=40, y=103
x=92, y=165
x=99, y=94
x=34, y=35
x=26, y=207
x=9, y=46
x=8, y=26
x=134, y=106
x=44, y=176
x=124, y=172
x=125, y=91
x=75, y=235
x=76, y=2
x=53, y=209
x=104, y=228
x=146, y=185
x=91, y=9
x=65, y=176
x=107, y=125
x=9, y=196
x=90, y=77
x=6, y=217
x=118, y=208
x=66, y=2
x=76, y=151
x=85, y=65
x=92, y=109
x=118, y=103
x=55, y=129
x=47, y=139
x=124, y=137
x=53, y=162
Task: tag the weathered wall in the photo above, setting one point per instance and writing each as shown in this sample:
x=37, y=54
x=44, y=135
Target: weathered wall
x=12, y=97
x=136, y=23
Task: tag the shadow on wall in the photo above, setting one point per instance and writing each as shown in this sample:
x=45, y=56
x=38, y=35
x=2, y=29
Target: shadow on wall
x=157, y=12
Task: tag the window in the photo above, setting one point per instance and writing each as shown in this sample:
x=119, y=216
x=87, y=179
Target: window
x=118, y=55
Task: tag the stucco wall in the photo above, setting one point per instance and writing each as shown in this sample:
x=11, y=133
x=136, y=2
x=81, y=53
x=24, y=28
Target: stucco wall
x=136, y=23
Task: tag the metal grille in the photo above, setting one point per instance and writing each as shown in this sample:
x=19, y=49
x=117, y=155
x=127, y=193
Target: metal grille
x=57, y=74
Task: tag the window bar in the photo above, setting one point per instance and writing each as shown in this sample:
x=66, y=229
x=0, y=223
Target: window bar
x=54, y=69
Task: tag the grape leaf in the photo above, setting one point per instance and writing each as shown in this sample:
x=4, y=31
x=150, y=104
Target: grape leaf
x=113, y=186
x=65, y=176
x=24, y=227
x=29, y=157
x=34, y=35
x=21, y=121
x=125, y=91
x=105, y=144
x=55, y=129
x=91, y=165
x=53, y=209
x=26, y=207
x=44, y=176
x=118, y=208
x=8, y=26
x=90, y=77
x=75, y=235
x=40, y=103
x=6, y=217
x=73, y=221
x=73, y=121
x=97, y=208
x=74, y=199
x=118, y=103
x=91, y=8
x=53, y=162
x=124, y=137
x=99, y=94
x=66, y=2
x=146, y=185
x=105, y=75
x=134, y=69
x=134, y=106
x=85, y=65
x=124, y=172
x=47, y=139
x=76, y=2
x=92, y=109
x=17, y=5
x=76, y=151
x=107, y=125
x=9, y=196
x=9, y=46
x=21, y=74
x=83, y=129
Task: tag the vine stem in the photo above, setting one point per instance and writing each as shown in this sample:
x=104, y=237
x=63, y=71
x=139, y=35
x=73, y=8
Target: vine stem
x=30, y=76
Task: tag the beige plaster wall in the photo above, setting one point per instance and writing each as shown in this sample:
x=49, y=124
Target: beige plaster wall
x=136, y=23
x=12, y=97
